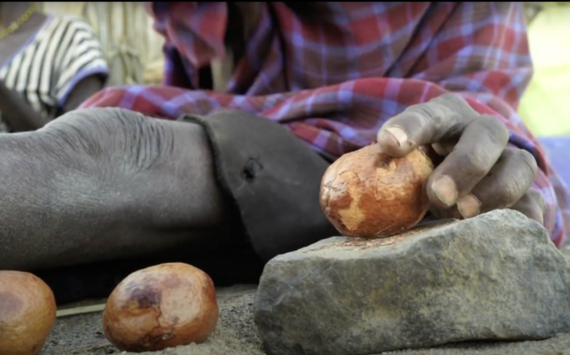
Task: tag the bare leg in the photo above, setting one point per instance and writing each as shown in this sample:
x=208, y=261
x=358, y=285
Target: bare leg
x=104, y=184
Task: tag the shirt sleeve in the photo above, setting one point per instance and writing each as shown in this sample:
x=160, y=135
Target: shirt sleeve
x=193, y=33
x=81, y=57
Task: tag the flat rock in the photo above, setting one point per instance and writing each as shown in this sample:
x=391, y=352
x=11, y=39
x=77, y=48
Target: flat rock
x=493, y=277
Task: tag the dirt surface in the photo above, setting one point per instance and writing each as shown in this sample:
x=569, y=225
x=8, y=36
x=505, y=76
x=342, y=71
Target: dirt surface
x=236, y=335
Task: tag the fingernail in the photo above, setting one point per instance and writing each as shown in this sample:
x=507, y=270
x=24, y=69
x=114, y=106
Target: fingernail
x=398, y=134
x=469, y=206
x=439, y=149
x=445, y=190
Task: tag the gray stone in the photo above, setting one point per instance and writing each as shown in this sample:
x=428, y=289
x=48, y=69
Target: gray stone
x=495, y=276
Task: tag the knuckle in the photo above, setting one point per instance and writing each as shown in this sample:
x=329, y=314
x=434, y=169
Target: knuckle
x=498, y=132
x=449, y=98
x=504, y=193
x=426, y=110
x=519, y=181
x=433, y=116
x=509, y=194
x=525, y=162
x=529, y=161
x=455, y=102
x=476, y=162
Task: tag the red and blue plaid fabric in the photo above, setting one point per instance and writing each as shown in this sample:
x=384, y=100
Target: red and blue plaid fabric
x=335, y=78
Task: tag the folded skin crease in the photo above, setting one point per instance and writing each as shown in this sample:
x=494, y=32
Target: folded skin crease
x=104, y=183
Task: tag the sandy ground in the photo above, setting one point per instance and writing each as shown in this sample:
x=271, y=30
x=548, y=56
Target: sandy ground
x=236, y=335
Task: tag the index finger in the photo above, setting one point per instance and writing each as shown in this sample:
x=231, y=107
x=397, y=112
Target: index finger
x=423, y=124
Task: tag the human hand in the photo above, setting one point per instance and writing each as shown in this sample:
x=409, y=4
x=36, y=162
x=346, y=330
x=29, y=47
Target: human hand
x=479, y=172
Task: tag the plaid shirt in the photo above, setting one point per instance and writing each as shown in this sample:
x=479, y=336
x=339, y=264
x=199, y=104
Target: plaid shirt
x=335, y=80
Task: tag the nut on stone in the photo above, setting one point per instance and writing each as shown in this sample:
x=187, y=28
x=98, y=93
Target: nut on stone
x=368, y=194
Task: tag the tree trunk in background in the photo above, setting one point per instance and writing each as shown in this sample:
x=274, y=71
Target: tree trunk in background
x=132, y=47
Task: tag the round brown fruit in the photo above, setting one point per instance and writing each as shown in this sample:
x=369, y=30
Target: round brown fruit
x=27, y=313
x=369, y=194
x=161, y=306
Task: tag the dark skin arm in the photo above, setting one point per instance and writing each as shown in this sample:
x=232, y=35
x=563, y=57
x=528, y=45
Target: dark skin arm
x=22, y=117
x=17, y=112
x=82, y=91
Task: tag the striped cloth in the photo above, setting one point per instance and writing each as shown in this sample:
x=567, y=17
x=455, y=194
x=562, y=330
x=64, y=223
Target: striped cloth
x=61, y=53
x=335, y=77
